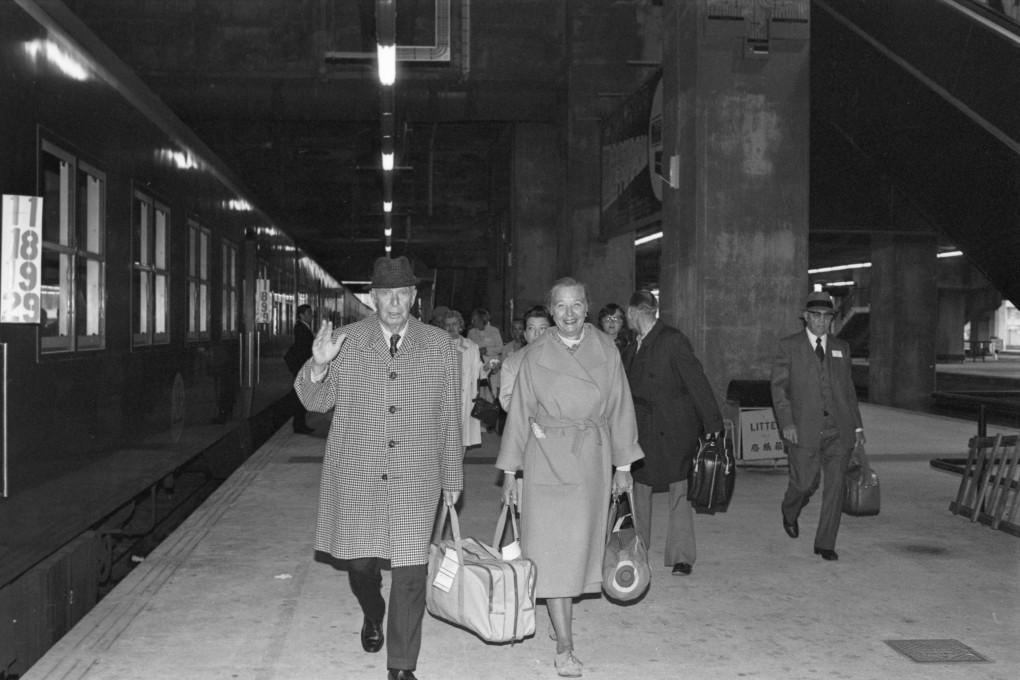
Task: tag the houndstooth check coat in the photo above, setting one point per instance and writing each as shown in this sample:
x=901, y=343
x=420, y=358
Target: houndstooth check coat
x=394, y=442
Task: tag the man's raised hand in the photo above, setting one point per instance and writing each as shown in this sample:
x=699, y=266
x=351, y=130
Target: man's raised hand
x=326, y=347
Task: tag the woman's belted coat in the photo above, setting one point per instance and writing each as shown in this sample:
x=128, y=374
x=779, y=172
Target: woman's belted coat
x=571, y=419
x=394, y=441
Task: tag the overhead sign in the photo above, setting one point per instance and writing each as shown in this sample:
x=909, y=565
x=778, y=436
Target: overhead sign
x=263, y=302
x=22, y=259
x=632, y=161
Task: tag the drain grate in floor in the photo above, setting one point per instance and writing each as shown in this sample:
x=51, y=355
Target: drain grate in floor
x=935, y=651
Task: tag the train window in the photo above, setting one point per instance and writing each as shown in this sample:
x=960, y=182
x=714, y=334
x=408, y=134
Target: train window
x=198, y=281
x=74, y=252
x=150, y=314
x=230, y=298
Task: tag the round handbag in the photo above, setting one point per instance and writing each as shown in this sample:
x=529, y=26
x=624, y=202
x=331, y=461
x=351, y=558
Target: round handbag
x=625, y=572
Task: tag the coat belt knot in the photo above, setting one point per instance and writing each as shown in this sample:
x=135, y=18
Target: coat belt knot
x=582, y=425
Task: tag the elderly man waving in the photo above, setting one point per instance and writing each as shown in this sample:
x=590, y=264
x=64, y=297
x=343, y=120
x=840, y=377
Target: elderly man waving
x=394, y=442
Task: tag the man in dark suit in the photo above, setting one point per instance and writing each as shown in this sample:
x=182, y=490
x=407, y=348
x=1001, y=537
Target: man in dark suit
x=674, y=405
x=297, y=355
x=816, y=409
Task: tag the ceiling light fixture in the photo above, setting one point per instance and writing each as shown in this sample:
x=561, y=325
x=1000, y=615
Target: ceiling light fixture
x=648, y=239
x=387, y=64
x=839, y=268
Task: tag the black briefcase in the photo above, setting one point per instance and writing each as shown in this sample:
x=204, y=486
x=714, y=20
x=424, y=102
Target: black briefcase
x=713, y=474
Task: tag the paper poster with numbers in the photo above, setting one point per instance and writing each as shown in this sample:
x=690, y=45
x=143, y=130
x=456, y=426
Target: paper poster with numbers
x=21, y=270
x=263, y=301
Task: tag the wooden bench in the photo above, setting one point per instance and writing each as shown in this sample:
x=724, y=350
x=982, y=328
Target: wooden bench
x=989, y=490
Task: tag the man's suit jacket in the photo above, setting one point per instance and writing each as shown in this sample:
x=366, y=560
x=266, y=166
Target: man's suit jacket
x=796, y=389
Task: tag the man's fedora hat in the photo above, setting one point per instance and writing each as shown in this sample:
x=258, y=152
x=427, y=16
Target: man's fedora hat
x=819, y=302
x=393, y=273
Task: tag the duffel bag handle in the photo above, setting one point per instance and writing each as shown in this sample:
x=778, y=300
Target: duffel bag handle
x=497, y=539
x=437, y=533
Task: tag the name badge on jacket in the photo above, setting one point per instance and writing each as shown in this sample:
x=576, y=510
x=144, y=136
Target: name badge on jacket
x=837, y=353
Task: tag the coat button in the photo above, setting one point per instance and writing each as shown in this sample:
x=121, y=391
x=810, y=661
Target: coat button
x=393, y=409
x=393, y=375
x=393, y=443
x=384, y=477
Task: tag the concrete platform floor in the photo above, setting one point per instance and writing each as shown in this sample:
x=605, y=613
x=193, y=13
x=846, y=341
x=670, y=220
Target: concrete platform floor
x=235, y=592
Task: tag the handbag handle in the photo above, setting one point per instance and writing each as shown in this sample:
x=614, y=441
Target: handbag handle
x=497, y=539
x=614, y=508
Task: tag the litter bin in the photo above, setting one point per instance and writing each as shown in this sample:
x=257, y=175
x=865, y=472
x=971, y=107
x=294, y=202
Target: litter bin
x=756, y=431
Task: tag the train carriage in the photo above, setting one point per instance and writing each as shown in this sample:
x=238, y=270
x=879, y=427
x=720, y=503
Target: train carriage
x=166, y=301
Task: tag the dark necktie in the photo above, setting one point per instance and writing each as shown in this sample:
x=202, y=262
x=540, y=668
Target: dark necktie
x=394, y=339
x=819, y=352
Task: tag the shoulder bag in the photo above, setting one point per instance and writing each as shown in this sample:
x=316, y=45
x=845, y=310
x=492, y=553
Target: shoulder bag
x=485, y=410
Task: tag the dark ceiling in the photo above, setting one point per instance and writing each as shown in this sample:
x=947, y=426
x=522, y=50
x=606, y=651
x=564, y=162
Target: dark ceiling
x=286, y=93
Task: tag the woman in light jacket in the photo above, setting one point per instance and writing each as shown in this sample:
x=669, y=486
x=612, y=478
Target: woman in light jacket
x=471, y=369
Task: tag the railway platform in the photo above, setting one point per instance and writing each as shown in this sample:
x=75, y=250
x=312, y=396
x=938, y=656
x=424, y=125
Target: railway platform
x=237, y=592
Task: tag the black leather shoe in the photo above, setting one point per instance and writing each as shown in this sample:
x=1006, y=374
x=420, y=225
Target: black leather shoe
x=827, y=555
x=303, y=430
x=372, y=637
x=682, y=568
x=792, y=528
x=395, y=674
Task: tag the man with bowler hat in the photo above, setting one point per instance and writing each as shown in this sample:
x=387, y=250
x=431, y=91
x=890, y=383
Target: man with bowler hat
x=394, y=443
x=816, y=409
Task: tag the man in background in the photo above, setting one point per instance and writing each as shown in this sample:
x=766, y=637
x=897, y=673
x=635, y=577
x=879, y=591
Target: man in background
x=297, y=355
x=674, y=405
x=816, y=409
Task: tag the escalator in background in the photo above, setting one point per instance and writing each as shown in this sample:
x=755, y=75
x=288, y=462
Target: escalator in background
x=914, y=107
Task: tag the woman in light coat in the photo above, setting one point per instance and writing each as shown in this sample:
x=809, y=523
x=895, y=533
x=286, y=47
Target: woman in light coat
x=571, y=420
x=471, y=370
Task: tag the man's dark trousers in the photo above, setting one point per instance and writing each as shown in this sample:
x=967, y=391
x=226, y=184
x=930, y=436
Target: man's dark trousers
x=806, y=468
x=407, y=606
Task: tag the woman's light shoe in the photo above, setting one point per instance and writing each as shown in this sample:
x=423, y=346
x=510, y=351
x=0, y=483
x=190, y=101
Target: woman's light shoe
x=568, y=665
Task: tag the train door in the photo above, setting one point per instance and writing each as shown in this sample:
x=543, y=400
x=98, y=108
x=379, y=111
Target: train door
x=3, y=418
x=248, y=364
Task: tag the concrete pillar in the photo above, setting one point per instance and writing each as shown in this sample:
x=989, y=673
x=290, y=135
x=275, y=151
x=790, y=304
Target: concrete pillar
x=601, y=38
x=538, y=191
x=904, y=309
x=735, y=111
x=951, y=318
